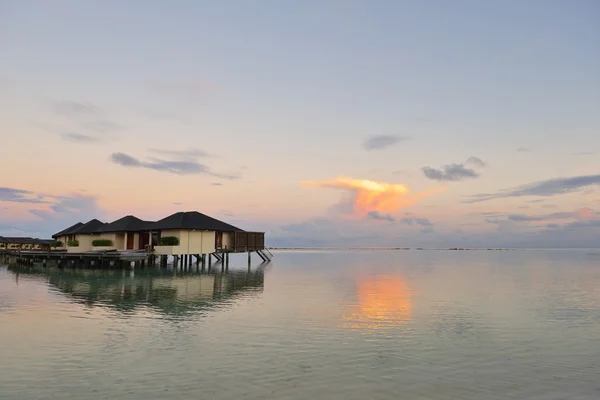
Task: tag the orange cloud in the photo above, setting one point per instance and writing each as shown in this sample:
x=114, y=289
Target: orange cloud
x=370, y=195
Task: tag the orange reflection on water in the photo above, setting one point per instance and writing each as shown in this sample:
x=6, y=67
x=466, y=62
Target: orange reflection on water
x=383, y=301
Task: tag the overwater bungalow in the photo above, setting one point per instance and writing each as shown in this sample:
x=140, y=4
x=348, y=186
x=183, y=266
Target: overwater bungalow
x=179, y=234
x=66, y=235
x=127, y=233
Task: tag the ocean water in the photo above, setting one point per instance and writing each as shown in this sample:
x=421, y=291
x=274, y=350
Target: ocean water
x=521, y=324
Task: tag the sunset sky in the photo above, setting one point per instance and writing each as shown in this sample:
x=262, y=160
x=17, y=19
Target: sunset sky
x=323, y=123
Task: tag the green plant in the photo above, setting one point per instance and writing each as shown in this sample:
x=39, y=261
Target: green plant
x=58, y=243
x=169, y=241
x=73, y=243
x=102, y=242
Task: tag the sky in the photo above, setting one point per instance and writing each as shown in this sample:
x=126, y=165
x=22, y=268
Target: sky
x=322, y=123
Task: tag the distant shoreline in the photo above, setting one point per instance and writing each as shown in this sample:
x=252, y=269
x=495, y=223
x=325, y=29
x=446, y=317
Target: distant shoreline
x=390, y=248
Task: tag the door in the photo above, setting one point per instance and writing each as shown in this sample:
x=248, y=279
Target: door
x=218, y=240
x=144, y=240
x=130, y=236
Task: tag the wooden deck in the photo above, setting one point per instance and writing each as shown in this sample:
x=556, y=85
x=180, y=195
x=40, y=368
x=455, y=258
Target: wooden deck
x=118, y=258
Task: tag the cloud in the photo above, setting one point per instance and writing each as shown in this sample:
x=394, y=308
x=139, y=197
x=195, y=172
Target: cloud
x=53, y=212
x=86, y=119
x=452, y=172
x=173, y=167
x=524, y=149
x=582, y=213
x=177, y=203
x=550, y=187
x=194, y=153
x=382, y=142
x=376, y=215
x=416, y=221
x=455, y=172
x=73, y=205
x=12, y=195
x=79, y=138
x=74, y=108
x=216, y=184
x=476, y=161
x=499, y=233
x=365, y=195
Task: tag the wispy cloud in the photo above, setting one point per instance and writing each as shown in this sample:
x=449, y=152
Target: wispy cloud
x=216, y=184
x=376, y=215
x=579, y=214
x=524, y=149
x=416, y=221
x=181, y=153
x=173, y=167
x=13, y=195
x=455, y=172
x=79, y=138
x=56, y=211
x=83, y=122
x=550, y=187
x=74, y=108
x=476, y=161
x=381, y=142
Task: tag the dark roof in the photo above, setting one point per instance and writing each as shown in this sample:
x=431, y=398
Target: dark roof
x=69, y=231
x=193, y=220
x=126, y=224
x=89, y=227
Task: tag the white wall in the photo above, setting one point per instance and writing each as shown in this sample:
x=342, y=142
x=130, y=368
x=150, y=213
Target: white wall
x=85, y=241
x=191, y=242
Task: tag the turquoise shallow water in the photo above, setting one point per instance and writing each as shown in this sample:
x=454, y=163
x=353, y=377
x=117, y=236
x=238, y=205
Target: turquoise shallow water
x=329, y=325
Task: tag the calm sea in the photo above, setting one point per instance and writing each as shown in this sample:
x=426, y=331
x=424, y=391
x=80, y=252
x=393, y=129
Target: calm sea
x=311, y=325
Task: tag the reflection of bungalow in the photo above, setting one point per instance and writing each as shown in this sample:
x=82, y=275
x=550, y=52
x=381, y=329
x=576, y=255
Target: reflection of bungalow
x=178, y=234
x=165, y=293
x=24, y=243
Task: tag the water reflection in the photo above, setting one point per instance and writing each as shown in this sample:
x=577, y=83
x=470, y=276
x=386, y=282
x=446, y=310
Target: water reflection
x=382, y=301
x=164, y=291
